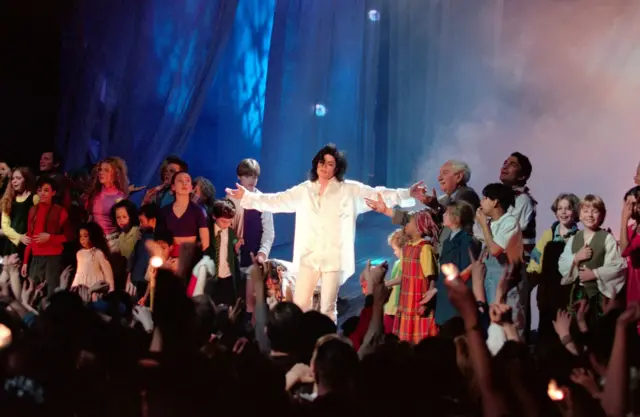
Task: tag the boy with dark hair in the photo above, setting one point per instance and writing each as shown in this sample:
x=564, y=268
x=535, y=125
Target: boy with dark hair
x=139, y=260
x=254, y=229
x=503, y=246
x=163, y=240
x=46, y=228
x=225, y=286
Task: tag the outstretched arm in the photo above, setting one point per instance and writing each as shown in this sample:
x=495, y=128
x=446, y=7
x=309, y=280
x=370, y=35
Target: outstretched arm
x=284, y=202
x=391, y=197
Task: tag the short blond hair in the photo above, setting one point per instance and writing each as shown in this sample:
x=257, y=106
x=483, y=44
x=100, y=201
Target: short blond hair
x=397, y=238
x=591, y=200
x=464, y=212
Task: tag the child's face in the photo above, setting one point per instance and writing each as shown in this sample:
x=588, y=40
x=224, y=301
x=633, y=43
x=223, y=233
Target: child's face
x=165, y=249
x=411, y=228
x=487, y=205
x=635, y=207
x=450, y=220
x=564, y=213
x=17, y=181
x=590, y=216
x=46, y=193
x=397, y=251
x=146, y=223
x=84, y=238
x=249, y=182
x=122, y=217
x=223, y=223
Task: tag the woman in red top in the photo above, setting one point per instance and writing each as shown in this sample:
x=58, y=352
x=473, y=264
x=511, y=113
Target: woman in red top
x=46, y=226
x=630, y=242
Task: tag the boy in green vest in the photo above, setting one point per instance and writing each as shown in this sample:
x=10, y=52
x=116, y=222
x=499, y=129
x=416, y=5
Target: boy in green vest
x=591, y=262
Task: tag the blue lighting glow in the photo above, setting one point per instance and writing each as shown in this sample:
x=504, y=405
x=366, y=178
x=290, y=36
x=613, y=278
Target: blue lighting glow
x=374, y=15
x=321, y=110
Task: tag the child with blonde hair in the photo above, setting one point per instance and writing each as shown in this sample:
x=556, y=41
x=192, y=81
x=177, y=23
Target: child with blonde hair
x=591, y=262
x=396, y=240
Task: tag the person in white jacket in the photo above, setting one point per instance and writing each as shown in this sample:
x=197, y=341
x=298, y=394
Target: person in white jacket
x=326, y=208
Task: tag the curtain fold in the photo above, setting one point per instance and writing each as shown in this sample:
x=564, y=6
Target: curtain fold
x=136, y=76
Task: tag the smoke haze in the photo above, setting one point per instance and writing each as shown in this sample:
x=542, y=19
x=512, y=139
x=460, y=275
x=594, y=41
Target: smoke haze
x=566, y=94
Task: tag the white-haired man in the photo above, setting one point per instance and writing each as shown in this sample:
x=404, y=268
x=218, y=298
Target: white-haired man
x=453, y=178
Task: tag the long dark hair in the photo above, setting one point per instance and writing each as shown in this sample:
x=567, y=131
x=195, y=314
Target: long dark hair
x=341, y=162
x=96, y=237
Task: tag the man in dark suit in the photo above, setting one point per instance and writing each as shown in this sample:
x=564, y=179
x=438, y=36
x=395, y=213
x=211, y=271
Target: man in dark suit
x=453, y=179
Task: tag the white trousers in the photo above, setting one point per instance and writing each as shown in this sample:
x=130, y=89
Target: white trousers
x=306, y=283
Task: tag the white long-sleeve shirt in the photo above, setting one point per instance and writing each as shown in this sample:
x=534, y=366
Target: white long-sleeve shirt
x=268, y=231
x=610, y=276
x=325, y=225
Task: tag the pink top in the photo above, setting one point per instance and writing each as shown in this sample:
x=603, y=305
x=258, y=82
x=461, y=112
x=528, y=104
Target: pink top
x=101, y=209
x=632, y=255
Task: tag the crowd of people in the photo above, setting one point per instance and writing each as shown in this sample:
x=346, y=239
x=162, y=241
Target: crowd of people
x=175, y=306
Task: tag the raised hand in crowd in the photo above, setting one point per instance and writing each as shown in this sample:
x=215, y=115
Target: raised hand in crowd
x=238, y=193
x=65, y=277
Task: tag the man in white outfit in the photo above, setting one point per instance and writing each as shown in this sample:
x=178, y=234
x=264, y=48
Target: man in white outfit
x=326, y=208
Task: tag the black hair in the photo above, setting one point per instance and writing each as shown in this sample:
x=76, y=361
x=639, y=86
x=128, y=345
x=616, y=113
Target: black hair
x=150, y=211
x=163, y=235
x=223, y=209
x=501, y=193
x=131, y=209
x=45, y=179
x=635, y=192
x=172, y=159
x=96, y=237
x=57, y=158
x=283, y=324
x=336, y=365
x=341, y=162
x=525, y=167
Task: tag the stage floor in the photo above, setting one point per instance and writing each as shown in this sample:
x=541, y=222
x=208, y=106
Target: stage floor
x=371, y=243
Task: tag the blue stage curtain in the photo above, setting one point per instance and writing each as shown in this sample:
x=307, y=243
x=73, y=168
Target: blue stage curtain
x=135, y=75
x=441, y=67
x=320, y=54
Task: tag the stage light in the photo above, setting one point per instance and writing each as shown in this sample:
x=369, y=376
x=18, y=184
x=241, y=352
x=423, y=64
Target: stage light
x=156, y=262
x=374, y=15
x=321, y=110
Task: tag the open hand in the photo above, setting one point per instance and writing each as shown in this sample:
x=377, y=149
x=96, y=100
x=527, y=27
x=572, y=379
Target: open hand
x=238, y=193
x=430, y=200
x=378, y=205
x=418, y=191
x=562, y=323
x=64, y=277
x=25, y=240
x=627, y=211
x=581, y=308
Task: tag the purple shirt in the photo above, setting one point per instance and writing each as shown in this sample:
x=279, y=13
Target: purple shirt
x=189, y=224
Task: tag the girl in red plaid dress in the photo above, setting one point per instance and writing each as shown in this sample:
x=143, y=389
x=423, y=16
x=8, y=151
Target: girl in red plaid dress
x=414, y=319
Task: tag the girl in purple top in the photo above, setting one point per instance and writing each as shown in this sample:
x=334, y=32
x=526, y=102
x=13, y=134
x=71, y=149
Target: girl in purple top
x=184, y=218
x=109, y=185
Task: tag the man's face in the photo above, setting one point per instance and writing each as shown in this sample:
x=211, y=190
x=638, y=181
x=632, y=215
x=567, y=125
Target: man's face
x=46, y=162
x=4, y=170
x=449, y=179
x=326, y=168
x=510, y=172
x=46, y=193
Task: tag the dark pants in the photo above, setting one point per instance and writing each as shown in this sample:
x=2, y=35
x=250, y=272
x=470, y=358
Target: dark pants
x=46, y=269
x=221, y=291
x=141, y=289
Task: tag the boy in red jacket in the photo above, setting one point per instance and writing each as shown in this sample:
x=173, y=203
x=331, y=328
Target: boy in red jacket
x=46, y=227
